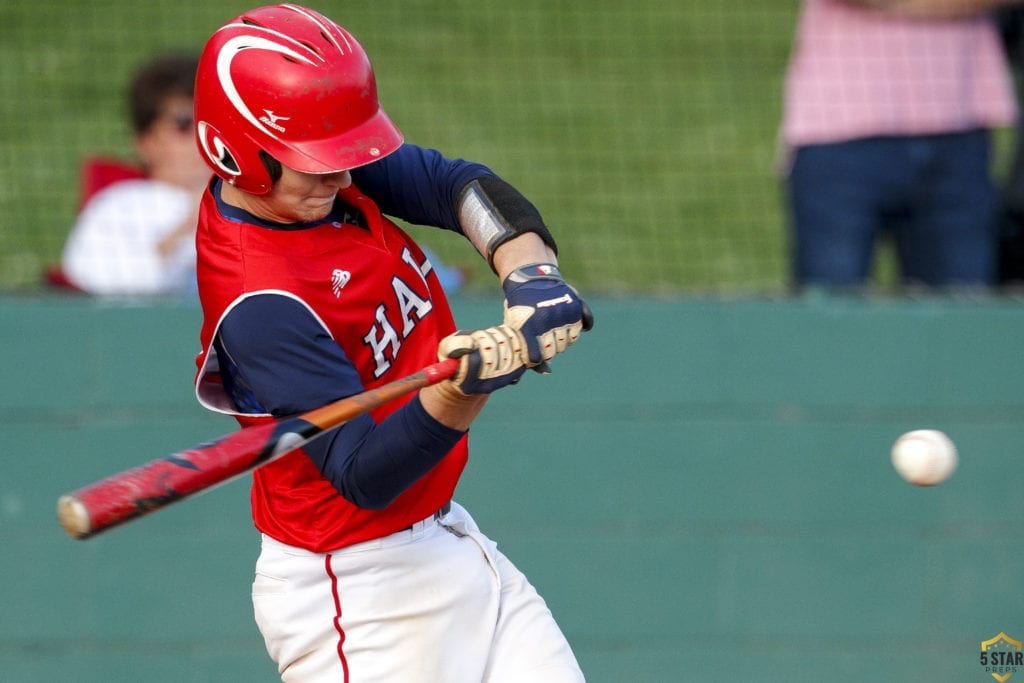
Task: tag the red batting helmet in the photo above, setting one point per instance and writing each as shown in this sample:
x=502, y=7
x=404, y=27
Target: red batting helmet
x=287, y=80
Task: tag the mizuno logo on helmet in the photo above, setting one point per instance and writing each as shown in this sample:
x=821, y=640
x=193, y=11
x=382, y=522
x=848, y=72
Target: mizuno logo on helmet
x=271, y=120
x=233, y=47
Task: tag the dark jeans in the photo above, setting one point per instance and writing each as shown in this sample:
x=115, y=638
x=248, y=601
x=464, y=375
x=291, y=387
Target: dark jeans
x=934, y=194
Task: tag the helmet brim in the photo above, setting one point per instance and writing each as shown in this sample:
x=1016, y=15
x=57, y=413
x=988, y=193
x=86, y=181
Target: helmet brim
x=370, y=141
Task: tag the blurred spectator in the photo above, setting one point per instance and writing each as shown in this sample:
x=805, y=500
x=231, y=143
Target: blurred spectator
x=451, y=277
x=136, y=236
x=888, y=110
x=135, y=233
x=1011, y=236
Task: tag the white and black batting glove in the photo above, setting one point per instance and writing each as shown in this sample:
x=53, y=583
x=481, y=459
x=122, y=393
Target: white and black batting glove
x=489, y=359
x=547, y=312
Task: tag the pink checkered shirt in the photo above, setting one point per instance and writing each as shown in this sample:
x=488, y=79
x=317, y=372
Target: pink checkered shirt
x=858, y=73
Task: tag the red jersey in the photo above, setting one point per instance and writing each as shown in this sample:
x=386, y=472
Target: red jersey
x=367, y=288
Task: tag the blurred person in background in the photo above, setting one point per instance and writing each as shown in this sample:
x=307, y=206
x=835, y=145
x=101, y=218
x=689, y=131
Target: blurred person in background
x=1011, y=233
x=452, y=277
x=136, y=236
x=888, y=112
x=135, y=233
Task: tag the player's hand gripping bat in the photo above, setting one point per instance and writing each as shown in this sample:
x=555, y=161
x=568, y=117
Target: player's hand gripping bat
x=136, y=492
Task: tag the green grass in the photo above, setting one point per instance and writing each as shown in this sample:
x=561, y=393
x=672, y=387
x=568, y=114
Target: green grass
x=644, y=131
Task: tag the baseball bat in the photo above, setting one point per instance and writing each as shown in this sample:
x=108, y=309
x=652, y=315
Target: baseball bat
x=141, y=490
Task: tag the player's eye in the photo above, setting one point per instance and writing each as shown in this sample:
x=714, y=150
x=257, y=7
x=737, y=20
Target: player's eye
x=183, y=122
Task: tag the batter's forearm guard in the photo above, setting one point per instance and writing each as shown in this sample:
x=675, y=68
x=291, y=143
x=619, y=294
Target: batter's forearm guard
x=492, y=212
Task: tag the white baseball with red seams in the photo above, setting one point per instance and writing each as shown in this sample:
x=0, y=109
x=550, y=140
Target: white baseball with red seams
x=925, y=457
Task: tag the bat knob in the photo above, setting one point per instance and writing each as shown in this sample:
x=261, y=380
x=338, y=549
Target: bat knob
x=74, y=517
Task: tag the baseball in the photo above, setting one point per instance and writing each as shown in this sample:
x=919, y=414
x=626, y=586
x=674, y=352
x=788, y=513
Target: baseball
x=925, y=457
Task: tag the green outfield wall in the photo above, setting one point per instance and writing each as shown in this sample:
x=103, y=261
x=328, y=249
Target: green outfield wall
x=701, y=489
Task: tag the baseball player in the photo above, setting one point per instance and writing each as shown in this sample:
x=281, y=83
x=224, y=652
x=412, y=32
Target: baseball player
x=368, y=570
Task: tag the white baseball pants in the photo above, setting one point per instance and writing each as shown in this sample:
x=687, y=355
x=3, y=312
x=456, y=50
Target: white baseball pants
x=437, y=603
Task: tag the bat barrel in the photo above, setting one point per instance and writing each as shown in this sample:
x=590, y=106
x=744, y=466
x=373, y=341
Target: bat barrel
x=133, y=493
x=136, y=492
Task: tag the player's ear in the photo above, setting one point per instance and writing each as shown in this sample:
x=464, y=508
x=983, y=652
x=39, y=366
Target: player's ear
x=272, y=165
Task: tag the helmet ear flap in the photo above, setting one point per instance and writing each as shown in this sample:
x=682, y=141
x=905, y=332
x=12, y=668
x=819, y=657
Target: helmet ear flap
x=249, y=175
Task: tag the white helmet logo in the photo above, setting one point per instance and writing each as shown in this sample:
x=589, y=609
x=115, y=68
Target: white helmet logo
x=238, y=44
x=271, y=119
x=219, y=154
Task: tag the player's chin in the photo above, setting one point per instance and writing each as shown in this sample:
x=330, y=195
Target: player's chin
x=315, y=209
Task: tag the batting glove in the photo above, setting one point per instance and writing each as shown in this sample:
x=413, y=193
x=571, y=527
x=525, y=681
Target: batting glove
x=489, y=359
x=545, y=311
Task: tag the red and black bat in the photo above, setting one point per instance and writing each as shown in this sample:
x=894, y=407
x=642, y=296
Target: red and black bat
x=141, y=490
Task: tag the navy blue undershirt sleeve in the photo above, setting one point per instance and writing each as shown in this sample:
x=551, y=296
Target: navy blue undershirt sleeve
x=277, y=355
x=279, y=350
x=419, y=185
x=394, y=455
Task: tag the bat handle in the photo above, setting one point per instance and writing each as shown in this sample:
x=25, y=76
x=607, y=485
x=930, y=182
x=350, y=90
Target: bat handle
x=441, y=370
